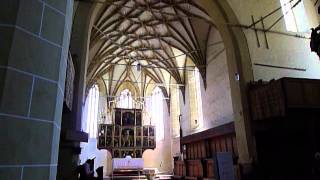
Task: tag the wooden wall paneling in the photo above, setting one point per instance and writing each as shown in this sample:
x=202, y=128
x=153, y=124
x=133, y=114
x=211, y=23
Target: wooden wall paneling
x=212, y=146
x=234, y=145
x=208, y=148
x=186, y=151
x=179, y=169
x=195, y=168
x=199, y=150
x=190, y=168
x=229, y=144
x=196, y=154
x=176, y=168
x=191, y=152
x=203, y=145
x=195, y=150
x=217, y=143
x=210, y=168
x=203, y=149
x=223, y=144
x=184, y=173
x=220, y=140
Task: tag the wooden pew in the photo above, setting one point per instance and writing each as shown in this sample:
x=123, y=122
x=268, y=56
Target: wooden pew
x=200, y=148
x=209, y=169
x=195, y=170
x=179, y=169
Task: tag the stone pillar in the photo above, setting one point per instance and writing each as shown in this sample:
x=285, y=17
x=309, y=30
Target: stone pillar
x=69, y=147
x=34, y=41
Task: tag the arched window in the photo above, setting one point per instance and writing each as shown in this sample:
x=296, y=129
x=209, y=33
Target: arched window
x=198, y=95
x=157, y=112
x=195, y=100
x=90, y=112
x=175, y=110
x=294, y=15
x=125, y=100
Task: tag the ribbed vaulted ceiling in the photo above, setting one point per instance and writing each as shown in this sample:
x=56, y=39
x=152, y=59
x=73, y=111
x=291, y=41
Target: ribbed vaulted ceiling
x=158, y=34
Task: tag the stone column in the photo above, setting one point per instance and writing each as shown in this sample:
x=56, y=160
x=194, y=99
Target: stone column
x=34, y=41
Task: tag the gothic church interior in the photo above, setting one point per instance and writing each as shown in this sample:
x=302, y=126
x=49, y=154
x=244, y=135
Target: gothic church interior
x=159, y=89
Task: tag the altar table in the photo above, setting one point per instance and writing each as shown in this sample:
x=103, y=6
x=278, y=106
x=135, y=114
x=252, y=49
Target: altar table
x=127, y=163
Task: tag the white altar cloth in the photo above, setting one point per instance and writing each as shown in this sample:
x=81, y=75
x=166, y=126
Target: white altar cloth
x=127, y=163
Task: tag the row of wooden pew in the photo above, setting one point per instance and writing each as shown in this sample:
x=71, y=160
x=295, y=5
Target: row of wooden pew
x=194, y=169
x=199, y=150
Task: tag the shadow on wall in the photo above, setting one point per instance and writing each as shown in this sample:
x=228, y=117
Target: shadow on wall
x=102, y=157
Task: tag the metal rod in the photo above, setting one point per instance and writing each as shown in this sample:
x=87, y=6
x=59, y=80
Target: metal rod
x=255, y=31
x=269, y=14
x=281, y=17
x=271, y=31
x=280, y=67
x=265, y=35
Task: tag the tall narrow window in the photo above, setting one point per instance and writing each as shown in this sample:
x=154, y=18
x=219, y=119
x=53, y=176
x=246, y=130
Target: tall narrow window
x=195, y=100
x=290, y=21
x=175, y=111
x=157, y=112
x=294, y=15
x=198, y=95
x=125, y=100
x=90, y=114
